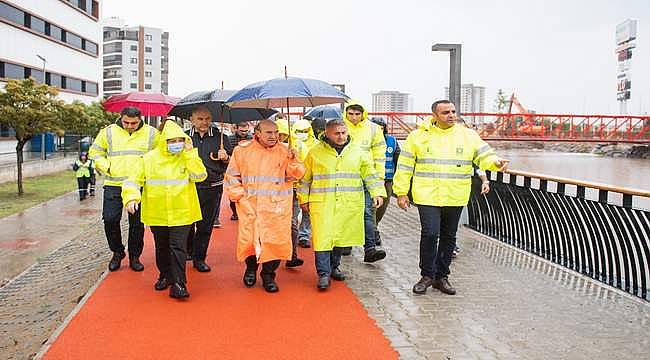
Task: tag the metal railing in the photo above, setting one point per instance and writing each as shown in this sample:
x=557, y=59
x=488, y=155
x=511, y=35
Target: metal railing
x=598, y=230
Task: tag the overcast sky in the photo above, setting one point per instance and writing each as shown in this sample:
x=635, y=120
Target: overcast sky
x=556, y=55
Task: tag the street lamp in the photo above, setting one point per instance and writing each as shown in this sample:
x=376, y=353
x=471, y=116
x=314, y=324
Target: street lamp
x=43, y=154
x=454, y=70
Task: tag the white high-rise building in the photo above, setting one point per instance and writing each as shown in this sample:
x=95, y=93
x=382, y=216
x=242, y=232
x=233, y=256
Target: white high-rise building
x=136, y=58
x=56, y=42
x=390, y=101
x=472, y=100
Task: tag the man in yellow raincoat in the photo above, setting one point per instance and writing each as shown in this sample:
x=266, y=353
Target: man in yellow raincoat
x=332, y=192
x=304, y=135
x=170, y=204
x=437, y=160
x=260, y=180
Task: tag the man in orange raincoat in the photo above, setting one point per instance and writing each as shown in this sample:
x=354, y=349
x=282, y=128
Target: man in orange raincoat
x=259, y=180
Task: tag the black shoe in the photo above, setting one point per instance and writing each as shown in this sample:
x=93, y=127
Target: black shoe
x=323, y=282
x=234, y=217
x=216, y=223
x=116, y=261
x=135, y=264
x=421, y=286
x=201, y=266
x=178, y=291
x=346, y=251
x=337, y=274
x=294, y=263
x=161, y=284
x=443, y=285
x=373, y=254
x=188, y=257
x=250, y=277
x=270, y=285
x=304, y=243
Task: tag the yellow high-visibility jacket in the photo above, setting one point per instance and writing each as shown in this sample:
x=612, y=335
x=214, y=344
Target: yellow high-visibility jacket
x=440, y=164
x=115, y=151
x=333, y=187
x=169, y=195
x=369, y=137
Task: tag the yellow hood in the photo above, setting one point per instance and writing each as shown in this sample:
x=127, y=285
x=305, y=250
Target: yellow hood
x=354, y=102
x=303, y=124
x=171, y=130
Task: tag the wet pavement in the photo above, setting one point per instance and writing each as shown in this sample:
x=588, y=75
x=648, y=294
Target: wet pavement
x=509, y=305
x=32, y=234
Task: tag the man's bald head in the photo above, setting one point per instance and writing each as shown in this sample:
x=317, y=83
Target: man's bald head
x=266, y=133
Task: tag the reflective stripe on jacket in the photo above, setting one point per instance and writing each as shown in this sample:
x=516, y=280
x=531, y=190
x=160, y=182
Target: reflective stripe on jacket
x=260, y=181
x=439, y=162
x=369, y=137
x=114, y=151
x=169, y=196
x=333, y=187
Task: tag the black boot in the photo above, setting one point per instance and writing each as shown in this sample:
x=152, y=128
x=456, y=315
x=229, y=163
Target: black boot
x=135, y=264
x=178, y=291
x=116, y=261
x=268, y=281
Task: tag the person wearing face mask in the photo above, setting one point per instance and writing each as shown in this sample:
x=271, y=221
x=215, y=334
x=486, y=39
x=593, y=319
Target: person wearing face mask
x=115, y=150
x=305, y=135
x=240, y=134
x=259, y=180
x=169, y=201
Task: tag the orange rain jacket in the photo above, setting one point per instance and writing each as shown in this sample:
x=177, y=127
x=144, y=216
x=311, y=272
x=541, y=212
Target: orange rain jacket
x=260, y=181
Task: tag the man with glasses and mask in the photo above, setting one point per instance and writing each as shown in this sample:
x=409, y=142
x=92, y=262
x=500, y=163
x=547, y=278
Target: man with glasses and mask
x=370, y=138
x=438, y=159
x=117, y=148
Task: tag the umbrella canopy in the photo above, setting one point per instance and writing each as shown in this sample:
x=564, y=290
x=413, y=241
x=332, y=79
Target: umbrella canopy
x=214, y=100
x=323, y=112
x=286, y=92
x=150, y=104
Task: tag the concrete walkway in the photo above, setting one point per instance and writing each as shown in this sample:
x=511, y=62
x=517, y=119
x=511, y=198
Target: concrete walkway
x=509, y=304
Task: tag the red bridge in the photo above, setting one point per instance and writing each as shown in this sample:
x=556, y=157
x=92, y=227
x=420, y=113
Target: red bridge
x=537, y=127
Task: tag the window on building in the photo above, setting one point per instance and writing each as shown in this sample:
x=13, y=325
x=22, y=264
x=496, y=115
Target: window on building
x=147, y=49
x=134, y=73
x=134, y=47
x=82, y=5
x=12, y=71
x=112, y=47
x=73, y=40
x=54, y=31
x=35, y=23
x=148, y=37
x=112, y=73
x=147, y=61
x=73, y=84
x=147, y=86
x=91, y=88
x=35, y=74
x=134, y=86
x=54, y=80
x=134, y=60
x=12, y=14
x=147, y=74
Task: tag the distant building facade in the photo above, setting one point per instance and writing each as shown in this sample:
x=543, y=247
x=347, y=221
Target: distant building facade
x=390, y=101
x=472, y=100
x=136, y=58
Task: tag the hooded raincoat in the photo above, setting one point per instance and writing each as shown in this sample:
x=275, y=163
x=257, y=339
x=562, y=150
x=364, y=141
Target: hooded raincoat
x=311, y=141
x=333, y=187
x=369, y=137
x=169, y=195
x=260, y=181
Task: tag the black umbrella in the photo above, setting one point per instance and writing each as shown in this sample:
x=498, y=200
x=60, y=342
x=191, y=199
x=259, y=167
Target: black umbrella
x=214, y=100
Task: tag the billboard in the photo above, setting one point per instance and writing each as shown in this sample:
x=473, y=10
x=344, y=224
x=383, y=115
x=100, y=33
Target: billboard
x=625, y=36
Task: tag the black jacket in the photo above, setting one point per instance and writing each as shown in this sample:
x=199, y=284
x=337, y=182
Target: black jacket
x=234, y=139
x=210, y=143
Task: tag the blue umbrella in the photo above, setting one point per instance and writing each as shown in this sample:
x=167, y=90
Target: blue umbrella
x=286, y=92
x=323, y=112
x=215, y=100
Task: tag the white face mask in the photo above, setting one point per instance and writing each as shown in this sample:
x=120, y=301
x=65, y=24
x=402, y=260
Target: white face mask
x=302, y=136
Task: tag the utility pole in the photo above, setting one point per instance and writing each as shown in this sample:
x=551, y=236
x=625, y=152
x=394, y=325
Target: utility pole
x=454, y=71
x=43, y=153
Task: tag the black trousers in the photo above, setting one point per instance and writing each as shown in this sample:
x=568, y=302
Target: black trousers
x=198, y=238
x=170, y=251
x=233, y=208
x=112, y=215
x=268, y=268
x=82, y=184
x=437, y=222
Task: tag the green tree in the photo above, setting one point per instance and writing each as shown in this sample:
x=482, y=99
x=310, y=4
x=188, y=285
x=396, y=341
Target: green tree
x=501, y=102
x=86, y=119
x=30, y=109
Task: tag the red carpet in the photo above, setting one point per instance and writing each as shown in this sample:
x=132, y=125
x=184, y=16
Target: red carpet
x=126, y=319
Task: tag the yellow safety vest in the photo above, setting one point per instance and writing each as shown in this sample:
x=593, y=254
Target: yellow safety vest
x=333, y=187
x=169, y=196
x=83, y=168
x=439, y=163
x=115, y=150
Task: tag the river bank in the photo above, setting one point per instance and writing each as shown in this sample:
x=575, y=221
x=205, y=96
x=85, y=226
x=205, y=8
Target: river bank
x=611, y=150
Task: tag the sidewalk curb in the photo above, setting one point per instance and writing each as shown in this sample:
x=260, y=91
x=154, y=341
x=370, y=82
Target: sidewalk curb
x=55, y=335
